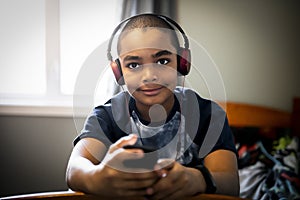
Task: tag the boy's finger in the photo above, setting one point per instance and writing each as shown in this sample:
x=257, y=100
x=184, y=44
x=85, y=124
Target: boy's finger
x=120, y=155
x=166, y=163
x=127, y=140
x=163, y=166
x=131, y=154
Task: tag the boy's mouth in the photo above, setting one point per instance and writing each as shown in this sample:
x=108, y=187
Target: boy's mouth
x=151, y=91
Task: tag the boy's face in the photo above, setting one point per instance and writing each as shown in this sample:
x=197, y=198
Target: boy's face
x=149, y=65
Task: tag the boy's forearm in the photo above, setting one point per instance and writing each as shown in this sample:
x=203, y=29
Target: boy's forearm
x=197, y=183
x=79, y=175
x=227, y=183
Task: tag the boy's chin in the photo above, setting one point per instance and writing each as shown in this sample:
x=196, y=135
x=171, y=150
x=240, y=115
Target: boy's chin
x=154, y=100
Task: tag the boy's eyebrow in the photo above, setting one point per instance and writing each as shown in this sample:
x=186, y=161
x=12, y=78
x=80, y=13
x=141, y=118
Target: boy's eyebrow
x=162, y=53
x=156, y=55
x=132, y=58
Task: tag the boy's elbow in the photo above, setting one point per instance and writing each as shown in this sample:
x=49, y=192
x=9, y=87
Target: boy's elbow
x=235, y=190
x=69, y=178
x=228, y=184
x=73, y=181
x=72, y=177
x=233, y=185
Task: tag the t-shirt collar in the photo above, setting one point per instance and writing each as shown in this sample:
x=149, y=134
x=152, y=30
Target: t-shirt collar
x=132, y=107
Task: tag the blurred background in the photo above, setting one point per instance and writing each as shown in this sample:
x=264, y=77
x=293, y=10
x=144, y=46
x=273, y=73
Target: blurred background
x=44, y=44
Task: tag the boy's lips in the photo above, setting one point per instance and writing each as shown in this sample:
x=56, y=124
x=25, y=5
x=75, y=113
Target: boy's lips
x=151, y=91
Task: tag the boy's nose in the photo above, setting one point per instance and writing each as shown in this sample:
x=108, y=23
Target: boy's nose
x=149, y=73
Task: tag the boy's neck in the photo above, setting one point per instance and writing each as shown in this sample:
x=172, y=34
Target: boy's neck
x=156, y=114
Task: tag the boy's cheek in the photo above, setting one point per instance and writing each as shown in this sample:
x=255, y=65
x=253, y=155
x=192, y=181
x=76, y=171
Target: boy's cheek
x=132, y=83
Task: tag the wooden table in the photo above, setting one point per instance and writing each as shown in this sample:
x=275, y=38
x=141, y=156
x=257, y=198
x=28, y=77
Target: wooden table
x=70, y=195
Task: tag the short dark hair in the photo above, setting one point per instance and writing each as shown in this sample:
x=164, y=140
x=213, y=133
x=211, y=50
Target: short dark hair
x=148, y=21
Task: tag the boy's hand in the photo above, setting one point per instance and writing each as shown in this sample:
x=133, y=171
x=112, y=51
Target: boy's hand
x=119, y=180
x=116, y=154
x=176, y=181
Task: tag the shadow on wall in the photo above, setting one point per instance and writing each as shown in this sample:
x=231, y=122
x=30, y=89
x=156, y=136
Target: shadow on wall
x=34, y=152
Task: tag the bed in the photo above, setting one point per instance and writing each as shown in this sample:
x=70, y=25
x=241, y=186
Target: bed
x=267, y=141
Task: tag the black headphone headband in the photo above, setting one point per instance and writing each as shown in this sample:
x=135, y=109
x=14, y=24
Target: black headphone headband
x=167, y=19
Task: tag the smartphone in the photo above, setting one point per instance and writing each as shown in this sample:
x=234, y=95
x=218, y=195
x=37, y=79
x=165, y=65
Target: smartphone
x=147, y=162
x=145, y=148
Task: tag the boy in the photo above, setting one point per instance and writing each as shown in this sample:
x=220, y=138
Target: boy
x=154, y=112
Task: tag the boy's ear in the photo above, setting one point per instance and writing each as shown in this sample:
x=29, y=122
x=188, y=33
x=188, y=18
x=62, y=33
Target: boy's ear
x=117, y=71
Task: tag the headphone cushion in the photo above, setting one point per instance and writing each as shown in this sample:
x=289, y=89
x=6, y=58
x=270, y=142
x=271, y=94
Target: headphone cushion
x=184, y=64
x=117, y=71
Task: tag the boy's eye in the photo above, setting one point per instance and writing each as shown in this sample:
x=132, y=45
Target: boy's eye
x=133, y=65
x=163, y=61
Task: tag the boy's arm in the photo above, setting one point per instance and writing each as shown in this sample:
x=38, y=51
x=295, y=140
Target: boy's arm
x=91, y=167
x=222, y=165
x=85, y=156
x=178, y=181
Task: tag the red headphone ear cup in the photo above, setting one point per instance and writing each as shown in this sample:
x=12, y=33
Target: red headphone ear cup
x=117, y=71
x=184, y=64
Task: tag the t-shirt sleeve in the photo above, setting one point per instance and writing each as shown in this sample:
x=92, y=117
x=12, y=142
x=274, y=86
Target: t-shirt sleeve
x=225, y=140
x=214, y=131
x=98, y=126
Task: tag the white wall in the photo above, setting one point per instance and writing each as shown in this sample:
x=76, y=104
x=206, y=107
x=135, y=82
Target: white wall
x=254, y=43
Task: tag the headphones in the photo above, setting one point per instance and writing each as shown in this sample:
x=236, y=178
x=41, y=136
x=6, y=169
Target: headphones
x=184, y=54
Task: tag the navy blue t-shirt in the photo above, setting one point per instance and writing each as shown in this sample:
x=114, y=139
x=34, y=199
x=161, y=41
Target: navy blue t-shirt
x=194, y=128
